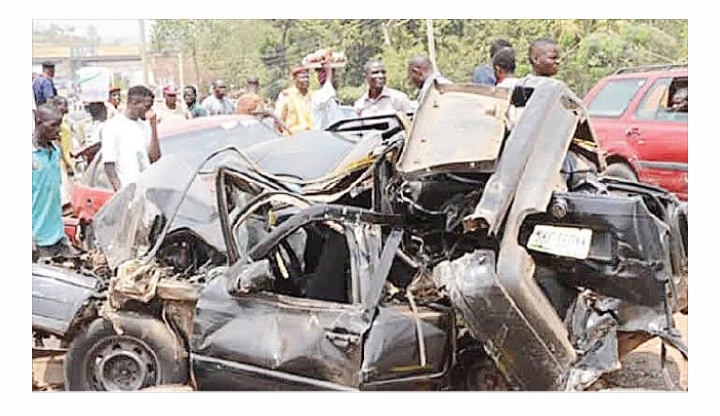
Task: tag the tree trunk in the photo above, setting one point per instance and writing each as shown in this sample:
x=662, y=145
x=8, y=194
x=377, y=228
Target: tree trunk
x=386, y=32
x=283, y=46
x=198, y=76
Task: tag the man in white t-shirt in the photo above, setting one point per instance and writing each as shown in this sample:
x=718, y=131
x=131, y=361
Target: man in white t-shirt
x=504, y=67
x=129, y=140
x=325, y=103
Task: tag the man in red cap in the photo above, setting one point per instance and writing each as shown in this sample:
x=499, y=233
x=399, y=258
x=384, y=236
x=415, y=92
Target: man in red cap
x=113, y=102
x=294, y=105
x=170, y=111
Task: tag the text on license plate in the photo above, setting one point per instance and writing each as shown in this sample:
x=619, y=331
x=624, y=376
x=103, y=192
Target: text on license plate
x=561, y=241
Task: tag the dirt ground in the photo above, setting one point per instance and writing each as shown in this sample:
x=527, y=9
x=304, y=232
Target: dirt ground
x=641, y=369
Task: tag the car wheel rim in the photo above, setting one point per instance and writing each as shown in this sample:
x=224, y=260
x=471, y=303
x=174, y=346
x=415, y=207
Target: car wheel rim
x=120, y=364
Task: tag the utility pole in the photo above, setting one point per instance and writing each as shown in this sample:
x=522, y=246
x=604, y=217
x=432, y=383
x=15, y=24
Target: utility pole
x=181, y=74
x=431, y=42
x=71, y=55
x=143, y=52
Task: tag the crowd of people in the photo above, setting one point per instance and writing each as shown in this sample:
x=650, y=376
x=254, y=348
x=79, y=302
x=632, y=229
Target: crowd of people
x=128, y=131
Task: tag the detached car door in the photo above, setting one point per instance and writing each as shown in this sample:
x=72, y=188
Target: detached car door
x=660, y=137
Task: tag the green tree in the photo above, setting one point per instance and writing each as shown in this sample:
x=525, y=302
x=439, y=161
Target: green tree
x=589, y=48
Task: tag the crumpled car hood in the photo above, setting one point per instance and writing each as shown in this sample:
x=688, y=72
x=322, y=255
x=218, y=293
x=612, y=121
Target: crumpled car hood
x=128, y=224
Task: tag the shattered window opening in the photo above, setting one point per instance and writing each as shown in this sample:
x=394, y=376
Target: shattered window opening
x=657, y=102
x=311, y=263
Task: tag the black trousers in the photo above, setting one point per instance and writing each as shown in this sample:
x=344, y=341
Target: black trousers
x=60, y=249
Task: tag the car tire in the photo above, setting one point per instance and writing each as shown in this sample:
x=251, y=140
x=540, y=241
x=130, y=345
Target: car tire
x=483, y=375
x=622, y=171
x=145, y=353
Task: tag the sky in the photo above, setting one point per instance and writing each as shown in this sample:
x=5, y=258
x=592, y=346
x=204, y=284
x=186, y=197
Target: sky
x=108, y=30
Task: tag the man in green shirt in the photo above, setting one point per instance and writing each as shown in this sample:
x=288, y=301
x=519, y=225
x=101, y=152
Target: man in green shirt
x=194, y=108
x=47, y=226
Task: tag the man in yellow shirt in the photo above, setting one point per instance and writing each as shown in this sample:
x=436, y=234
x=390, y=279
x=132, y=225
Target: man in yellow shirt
x=66, y=142
x=294, y=105
x=66, y=147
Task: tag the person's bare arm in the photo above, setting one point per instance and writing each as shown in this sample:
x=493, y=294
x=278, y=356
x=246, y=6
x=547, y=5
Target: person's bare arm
x=154, y=150
x=67, y=162
x=112, y=175
x=110, y=154
x=281, y=108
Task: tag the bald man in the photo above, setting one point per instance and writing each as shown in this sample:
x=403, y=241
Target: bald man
x=218, y=104
x=423, y=76
x=379, y=98
x=543, y=56
x=47, y=225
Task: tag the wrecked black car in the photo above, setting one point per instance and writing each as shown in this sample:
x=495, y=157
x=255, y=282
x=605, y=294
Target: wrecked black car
x=475, y=250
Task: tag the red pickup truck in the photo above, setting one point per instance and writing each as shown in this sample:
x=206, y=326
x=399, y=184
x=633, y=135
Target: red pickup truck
x=643, y=132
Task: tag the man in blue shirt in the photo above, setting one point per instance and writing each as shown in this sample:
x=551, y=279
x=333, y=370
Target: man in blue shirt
x=47, y=225
x=485, y=75
x=43, y=86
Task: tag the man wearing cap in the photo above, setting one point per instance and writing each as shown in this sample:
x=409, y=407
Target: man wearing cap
x=43, y=86
x=218, y=104
x=113, y=102
x=170, y=111
x=294, y=105
x=250, y=101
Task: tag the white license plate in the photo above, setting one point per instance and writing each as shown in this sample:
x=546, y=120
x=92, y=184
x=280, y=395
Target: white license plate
x=561, y=241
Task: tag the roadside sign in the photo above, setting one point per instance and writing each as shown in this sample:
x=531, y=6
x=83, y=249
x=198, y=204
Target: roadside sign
x=93, y=83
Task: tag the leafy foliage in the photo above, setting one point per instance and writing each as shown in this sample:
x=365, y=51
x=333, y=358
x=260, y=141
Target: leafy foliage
x=268, y=49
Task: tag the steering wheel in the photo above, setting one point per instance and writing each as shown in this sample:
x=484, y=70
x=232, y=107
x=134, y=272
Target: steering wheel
x=293, y=285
